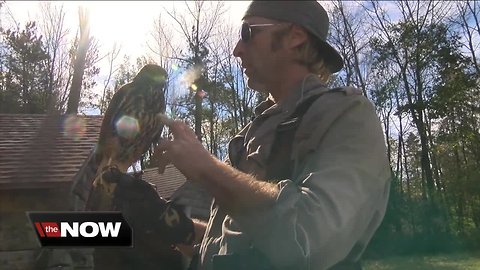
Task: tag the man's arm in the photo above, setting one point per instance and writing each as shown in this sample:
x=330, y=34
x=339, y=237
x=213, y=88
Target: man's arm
x=234, y=190
x=337, y=202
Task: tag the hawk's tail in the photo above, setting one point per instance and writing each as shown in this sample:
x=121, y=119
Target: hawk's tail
x=83, y=180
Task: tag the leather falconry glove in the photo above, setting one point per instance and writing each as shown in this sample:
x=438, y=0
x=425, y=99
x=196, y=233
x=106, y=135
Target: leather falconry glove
x=146, y=211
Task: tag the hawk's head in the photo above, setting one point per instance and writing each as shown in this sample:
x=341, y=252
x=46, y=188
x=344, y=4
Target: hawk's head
x=151, y=75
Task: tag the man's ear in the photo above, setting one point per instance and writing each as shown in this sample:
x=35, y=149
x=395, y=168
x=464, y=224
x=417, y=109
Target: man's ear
x=297, y=36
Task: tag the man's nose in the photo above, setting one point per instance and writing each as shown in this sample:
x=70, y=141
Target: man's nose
x=239, y=49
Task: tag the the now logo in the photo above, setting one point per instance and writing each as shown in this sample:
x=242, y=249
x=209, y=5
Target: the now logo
x=76, y=229
x=81, y=228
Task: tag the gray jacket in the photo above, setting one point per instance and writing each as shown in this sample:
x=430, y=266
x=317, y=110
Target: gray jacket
x=331, y=207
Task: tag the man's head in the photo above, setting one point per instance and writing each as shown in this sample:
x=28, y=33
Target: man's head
x=295, y=31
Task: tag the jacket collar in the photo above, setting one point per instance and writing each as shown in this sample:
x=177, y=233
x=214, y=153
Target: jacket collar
x=310, y=85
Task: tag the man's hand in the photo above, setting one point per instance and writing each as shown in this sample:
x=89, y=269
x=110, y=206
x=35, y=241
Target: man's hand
x=185, y=151
x=234, y=190
x=147, y=212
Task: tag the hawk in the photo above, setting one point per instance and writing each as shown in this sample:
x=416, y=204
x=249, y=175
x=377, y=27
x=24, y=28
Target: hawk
x=129, y=127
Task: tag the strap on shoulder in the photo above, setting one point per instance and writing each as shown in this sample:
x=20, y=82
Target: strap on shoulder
x=279, y=164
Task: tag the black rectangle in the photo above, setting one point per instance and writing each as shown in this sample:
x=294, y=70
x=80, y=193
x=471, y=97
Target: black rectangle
x=124, y=238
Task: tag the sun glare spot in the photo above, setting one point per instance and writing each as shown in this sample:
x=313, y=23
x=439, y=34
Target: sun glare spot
x=127, y=127
x=190, y=76
x=74, y=127
x=201, y=93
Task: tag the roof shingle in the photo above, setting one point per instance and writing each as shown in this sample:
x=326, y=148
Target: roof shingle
x=166, y=183
x=40, y=151
x=44, y=150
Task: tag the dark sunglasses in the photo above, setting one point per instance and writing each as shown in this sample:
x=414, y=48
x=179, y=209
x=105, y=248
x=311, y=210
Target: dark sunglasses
x=246, y=31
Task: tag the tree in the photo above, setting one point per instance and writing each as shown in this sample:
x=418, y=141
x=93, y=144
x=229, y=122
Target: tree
x=410, y=46
x=422, y=77
x=467, y=20
x=25, y=78
x=196, y=60
x=108, y=93
x=349, y=33
x=55, y=35
x=165, y=50
x=455, y=106
x=240, y=99
x=79, y=62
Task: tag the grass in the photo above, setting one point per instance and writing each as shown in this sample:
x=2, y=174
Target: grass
x=459, y=261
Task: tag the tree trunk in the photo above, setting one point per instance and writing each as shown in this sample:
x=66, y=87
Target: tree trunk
x=79, y=63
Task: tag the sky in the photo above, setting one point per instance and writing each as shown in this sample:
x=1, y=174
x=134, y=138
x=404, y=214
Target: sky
x=125, y=23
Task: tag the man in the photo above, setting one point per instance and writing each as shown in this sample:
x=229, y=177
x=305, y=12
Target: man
x=312, y=201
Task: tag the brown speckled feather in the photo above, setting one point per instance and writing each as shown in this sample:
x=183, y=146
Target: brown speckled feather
x=142, y=99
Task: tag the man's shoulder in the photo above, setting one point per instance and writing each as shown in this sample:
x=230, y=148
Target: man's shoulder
x=334, y=99
x=342, y=108
x=323, y=90
x=347, y=90
x=336, y=104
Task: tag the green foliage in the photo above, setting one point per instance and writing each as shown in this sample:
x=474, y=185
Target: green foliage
x=455, y=261
x=25, y=78
x=422, y=73
x=36, y=68
x=417, y=71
